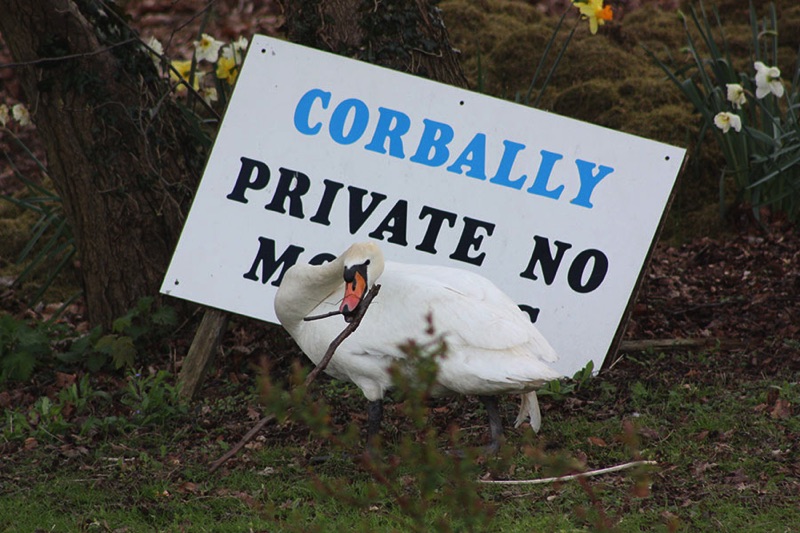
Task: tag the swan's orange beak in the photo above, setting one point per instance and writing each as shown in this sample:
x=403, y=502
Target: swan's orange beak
x=355, y=288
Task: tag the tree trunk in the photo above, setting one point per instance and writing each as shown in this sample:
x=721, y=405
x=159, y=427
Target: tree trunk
x=121, y=156
x=404, y=35
x=123, y=159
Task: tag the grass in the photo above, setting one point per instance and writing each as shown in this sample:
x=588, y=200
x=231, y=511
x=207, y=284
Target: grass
x=726, y=453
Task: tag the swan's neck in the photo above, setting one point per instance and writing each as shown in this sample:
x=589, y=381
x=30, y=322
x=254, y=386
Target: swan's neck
x=304, y=287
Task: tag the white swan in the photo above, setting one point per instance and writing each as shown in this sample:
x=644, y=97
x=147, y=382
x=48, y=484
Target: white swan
x=493, y=348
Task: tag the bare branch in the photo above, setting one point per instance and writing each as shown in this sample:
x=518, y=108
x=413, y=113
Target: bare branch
x=69, y=56
x=351, y=327
x=239, y=445
x=324, y=315
x=571, y=477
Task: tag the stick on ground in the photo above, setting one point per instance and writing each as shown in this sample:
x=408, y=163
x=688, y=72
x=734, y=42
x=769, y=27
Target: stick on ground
x=590, y=473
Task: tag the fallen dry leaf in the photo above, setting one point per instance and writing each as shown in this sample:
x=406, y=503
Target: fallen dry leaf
x=597, y=441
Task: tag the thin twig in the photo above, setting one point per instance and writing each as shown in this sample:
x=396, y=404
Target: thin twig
x=590, y=473
x=351, y=327
x=247, y=438
x=68, y=56
x=323, y=315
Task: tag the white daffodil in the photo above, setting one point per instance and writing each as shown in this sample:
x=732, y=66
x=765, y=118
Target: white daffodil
x=21, y=115
x=240, y=44
x=736, y=95
x=156, y=50
x=3, y=115
x=207, y=48
x=209, y=94
x=768, y=80
x=725, y=121
x=236, y=50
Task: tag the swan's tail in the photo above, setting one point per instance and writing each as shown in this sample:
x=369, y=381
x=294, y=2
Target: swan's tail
x=529, y=408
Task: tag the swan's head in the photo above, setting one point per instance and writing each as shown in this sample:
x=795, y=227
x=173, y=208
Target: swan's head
x=363, y=265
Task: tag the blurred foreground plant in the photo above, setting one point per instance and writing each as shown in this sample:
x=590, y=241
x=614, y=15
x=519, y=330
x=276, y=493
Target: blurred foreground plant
x=423, y=478
x=753, y=118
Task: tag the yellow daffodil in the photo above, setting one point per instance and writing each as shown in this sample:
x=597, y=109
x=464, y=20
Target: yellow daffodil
x=3, y=115
x=595, y=12
x=21, y=115
x=184, y=69
x=725, y=121
x=207, y=48
x=227, y=69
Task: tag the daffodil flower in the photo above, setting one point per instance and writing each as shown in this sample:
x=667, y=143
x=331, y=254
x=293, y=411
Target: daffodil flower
x=725, y=121
x=21, y=115
x=184, y=69
x=595, y=12
x=209, y=94
x=235, y=51
x=239, y=47
x=207, y=48
x=768, y=80
x=736, y=95
x=227, y=69
x=156, y=50
x=4, y=117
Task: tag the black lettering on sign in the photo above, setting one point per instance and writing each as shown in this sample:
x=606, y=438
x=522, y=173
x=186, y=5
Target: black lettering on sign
x=265, y=258
x=396, y=223
x=434, y=227
x=578, y=267
x=358, y=213
x=292, y=186
x=470, y=239
x=541, y=254
x=322, y=216
x=532, y=312
x=243, y=181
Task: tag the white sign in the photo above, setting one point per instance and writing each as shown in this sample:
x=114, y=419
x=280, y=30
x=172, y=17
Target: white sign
x=317, y=151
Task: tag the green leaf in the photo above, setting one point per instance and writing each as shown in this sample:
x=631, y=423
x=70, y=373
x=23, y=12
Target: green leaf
x=164, y=316
x=119, y=348
x=122, y=323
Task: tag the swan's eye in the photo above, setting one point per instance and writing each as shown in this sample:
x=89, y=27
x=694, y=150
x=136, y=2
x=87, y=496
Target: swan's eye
x=366, y=262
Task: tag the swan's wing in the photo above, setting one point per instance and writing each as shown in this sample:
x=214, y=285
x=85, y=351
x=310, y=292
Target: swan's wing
x=493, y=347
x=467, y=307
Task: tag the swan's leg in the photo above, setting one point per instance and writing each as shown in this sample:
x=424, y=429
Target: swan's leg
x=374, y=419
x=495, y=423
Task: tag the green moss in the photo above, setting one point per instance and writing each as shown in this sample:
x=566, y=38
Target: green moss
x=589, y=57
x=589, y=101
x=512, y=62
x=673, y=124
x=518, y=10
x=658, y=30
x=476, y=27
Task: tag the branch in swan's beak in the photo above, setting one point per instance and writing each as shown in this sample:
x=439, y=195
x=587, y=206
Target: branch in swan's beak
x=355, y=288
